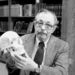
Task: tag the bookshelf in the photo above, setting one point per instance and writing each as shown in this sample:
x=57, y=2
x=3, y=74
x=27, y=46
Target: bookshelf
x=20, y=23
x=12, y=21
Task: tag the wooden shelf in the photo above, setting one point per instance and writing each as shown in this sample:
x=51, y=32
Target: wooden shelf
x=2, y=31
x=3, y=0
x=20, y=17
x=16, y=17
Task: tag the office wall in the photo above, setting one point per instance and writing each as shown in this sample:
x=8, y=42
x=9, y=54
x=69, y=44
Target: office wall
x=68, y=30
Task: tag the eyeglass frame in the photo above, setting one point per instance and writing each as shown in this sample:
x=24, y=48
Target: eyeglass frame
x=49, y=26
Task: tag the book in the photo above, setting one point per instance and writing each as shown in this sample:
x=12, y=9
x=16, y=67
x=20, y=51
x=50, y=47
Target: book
x=16, y=10
x=28, y=10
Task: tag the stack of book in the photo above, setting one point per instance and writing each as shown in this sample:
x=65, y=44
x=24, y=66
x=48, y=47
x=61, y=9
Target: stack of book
x=16, y=10
x=3, y=25
x=57, y=9
x=29, y=10
x=20, y=26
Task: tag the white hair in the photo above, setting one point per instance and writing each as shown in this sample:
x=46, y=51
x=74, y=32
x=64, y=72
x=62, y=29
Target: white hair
x=52, y=17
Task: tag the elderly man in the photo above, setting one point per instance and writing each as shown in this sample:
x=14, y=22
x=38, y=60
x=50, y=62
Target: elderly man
x=49, y=52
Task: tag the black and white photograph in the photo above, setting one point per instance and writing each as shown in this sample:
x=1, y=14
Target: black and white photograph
x=37, y=37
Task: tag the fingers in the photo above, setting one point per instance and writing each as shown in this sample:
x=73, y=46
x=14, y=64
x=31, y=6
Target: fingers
x=23, y=67
x=19, y=60
x=19, y=66
x=23, y=64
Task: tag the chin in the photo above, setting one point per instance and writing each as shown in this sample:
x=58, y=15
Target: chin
x=42, y=37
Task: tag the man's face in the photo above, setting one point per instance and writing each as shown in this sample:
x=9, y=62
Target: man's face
x=44, y=26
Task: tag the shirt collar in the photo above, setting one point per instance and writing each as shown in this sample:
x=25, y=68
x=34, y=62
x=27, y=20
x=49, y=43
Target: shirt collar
x=45, y=42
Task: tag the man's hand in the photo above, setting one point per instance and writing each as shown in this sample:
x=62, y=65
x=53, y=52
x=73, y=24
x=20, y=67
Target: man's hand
x=24, y=63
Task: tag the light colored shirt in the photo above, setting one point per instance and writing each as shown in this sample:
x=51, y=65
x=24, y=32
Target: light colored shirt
x=36, y=48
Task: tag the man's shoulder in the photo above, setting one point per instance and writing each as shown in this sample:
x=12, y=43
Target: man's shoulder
x=27, y=36
x=59, y=43
x=59, y=40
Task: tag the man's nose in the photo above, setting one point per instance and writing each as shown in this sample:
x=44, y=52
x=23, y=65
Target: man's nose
x=43, y=27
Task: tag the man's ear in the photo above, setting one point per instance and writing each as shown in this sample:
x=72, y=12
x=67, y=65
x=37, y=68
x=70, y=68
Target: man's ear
x=54, y=28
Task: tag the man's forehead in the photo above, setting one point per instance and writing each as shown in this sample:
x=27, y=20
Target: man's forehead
x=47, y=17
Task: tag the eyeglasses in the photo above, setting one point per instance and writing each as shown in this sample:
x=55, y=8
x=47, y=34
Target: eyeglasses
x=47, y=25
